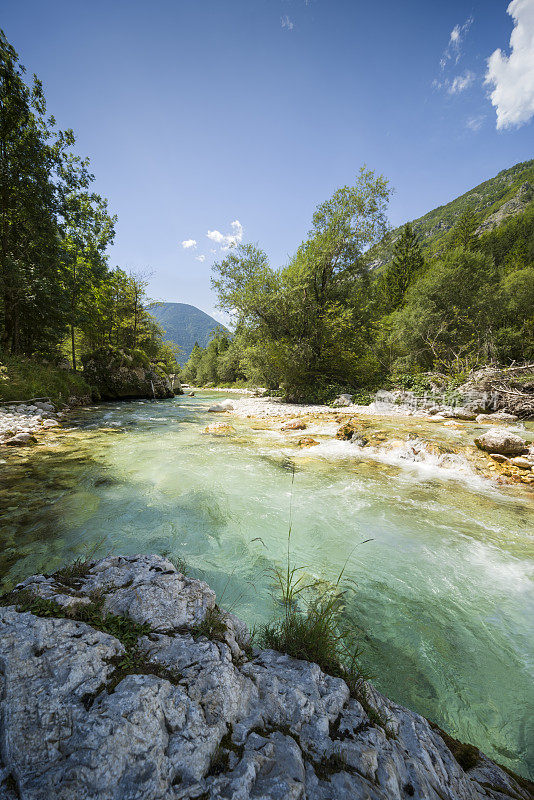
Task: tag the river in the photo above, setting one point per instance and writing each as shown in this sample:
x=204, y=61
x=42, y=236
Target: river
x=443, y=602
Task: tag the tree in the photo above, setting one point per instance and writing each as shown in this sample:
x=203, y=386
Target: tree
x=299, y=320
x=464, y=230
x=88, y=229
x=29, y=243
x=407, y=262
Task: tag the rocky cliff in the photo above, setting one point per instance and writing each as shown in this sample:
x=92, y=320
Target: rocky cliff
x=119, y=375
x=124, y=681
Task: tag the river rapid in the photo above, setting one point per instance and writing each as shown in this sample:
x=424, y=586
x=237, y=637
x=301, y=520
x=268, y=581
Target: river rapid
x=443, y=603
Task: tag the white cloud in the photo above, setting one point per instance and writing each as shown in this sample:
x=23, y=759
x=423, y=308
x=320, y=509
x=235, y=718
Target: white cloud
x=187, y=243
x=453, y=49
x=227, y=240
x=512, y=76
x=287, y=23
x=460, y=83
x=475, y=123
x=200, y=258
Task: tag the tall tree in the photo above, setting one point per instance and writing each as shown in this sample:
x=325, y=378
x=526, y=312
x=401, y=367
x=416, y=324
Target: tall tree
x=88, y=229
x=464, y=230
x=29, y=244
x=407, y=262
x=299, y=320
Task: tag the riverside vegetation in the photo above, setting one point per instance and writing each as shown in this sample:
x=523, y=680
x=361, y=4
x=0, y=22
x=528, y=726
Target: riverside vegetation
x=59, y=298
x=359, y=307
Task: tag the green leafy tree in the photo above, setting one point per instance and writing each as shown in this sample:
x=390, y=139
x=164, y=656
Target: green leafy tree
x=30, y=272
x=300, y=320
x=464, y=230
x=406, y=264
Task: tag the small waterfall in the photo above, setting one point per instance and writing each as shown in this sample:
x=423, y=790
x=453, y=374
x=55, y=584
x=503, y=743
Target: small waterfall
x=153, y=390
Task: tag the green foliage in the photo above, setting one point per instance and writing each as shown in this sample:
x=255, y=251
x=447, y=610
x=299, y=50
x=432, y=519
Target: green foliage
x=24, y=379
x=312, y=624
x=212, y=626
x=305, y=326
x=464, y=230
x=216, y=364
x=122, y=628
x=406, y=264
x=57, y=293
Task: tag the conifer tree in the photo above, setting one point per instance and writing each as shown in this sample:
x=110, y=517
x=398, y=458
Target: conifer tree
x=406, y=264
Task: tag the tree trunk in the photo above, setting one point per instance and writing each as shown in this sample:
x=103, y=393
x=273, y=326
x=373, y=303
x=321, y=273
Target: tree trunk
x=73, y=348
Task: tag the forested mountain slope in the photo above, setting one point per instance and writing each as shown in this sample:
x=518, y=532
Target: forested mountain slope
x=184, y=325
x=494, y=201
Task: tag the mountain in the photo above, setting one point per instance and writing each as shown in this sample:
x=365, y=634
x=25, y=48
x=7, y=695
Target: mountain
x=494, y=201
x=184, y=325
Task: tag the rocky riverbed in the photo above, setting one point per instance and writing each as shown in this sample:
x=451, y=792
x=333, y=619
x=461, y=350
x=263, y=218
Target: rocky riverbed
x=124, y=680
x=498, y=446
x=21, y=423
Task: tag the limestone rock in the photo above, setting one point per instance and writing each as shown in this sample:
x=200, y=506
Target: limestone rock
x=20, y=439
x=522, y=463
x=460, y=412
x=183, y=717
x=219, y=429
x=293, y=425
x=118, y=374
x=497, y=416
x=218, y=408
x=349, y=429
x=501, y=441
x=150, y=589
x=342, y=400
x=499, y=458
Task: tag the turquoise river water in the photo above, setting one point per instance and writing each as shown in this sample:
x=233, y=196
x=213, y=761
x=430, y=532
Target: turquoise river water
x=443, y=606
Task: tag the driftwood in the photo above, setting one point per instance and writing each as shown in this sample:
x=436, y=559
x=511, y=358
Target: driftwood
x=515, y=392
x=515, y=401
x=25, y=402
x=517, y=369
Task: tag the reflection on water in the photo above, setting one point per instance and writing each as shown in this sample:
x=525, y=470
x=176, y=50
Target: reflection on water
x=444, y=602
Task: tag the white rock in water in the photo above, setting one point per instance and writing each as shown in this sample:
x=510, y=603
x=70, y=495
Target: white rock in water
x=500, y=440
x=342, y=400
x=521, y=462
x=198, y=718
x=498, y=416
x=225, y=405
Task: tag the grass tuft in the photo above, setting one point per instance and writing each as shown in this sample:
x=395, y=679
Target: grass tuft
x=312, y=626
x=72, y=574
x=212, y=626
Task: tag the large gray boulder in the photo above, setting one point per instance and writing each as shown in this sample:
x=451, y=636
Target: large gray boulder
x=177, y=715
x=119, y=374
x=500, y=440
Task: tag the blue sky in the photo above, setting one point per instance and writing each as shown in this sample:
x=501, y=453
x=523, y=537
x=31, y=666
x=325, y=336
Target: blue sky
x=197, y=114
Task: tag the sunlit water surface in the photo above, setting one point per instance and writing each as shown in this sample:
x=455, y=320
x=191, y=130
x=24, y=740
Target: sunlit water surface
x=444, y=602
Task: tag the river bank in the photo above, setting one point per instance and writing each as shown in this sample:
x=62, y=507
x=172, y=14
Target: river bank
x=443, y=587
x=147, y=691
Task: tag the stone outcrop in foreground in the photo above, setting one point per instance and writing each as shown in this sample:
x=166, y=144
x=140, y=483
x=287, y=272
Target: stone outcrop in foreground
x=165, y=713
